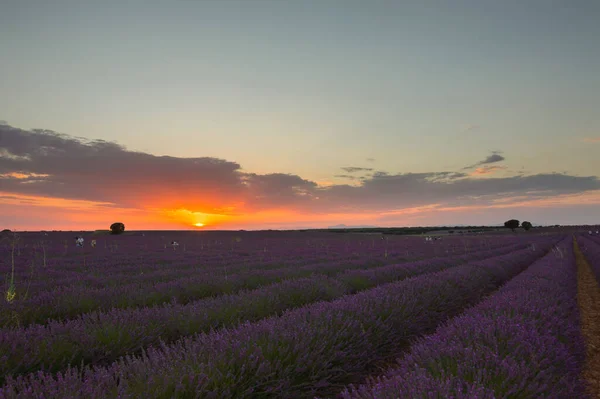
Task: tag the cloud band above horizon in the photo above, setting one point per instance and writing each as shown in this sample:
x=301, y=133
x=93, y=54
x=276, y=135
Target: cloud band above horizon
x=43, y=163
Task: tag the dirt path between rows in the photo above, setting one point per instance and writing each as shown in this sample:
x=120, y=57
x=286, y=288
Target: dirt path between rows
x=588, y=299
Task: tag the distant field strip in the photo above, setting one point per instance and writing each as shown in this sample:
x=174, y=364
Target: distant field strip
x=118, y=271
x=122, y=268
x=522, y=342
x=315, y=349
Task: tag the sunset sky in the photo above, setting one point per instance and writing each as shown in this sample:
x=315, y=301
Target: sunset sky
x=256, y=114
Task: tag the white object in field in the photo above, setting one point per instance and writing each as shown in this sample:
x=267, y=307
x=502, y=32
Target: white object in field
x=590, y=232
x=93, y=243
x=174, y=244
x=79, y=241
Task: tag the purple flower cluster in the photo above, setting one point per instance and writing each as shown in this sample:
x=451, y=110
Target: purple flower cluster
x=522, y=342
x=367, y=278
x=312, y=350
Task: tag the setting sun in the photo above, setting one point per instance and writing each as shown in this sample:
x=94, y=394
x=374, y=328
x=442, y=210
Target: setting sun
x=199, y=224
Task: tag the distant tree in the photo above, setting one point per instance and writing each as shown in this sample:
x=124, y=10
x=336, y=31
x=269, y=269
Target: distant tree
x=511, y=224
x=117, y=228
x=6, y=231
x=526, y=225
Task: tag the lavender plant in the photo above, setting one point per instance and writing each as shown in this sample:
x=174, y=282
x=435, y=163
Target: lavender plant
x=522, y=342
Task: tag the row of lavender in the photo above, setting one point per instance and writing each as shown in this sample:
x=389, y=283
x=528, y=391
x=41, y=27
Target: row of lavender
x=100, y=337
x=114, y=273
x=312, y=350
x=522, y=342
x=591, y=249
x=591, y=238
x=68, y=302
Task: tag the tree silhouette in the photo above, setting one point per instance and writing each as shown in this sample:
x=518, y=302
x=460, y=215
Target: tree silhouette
x=117, y=228
x=526, y=225
x=511, y=224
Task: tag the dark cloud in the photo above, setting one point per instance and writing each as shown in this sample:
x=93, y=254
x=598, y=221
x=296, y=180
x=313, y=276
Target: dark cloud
x=384, y=191
x=44, y=163
x=492, y=159
x=276, y=189
x=107, y=172
x=495, y=157
x=354, y=169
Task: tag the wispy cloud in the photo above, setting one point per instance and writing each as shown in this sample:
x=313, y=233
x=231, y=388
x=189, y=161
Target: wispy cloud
x=591, y=140
x=493, y=158
x=469, y=127
x=354, y=169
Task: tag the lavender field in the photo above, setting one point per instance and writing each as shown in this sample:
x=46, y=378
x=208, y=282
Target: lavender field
x=297, y=315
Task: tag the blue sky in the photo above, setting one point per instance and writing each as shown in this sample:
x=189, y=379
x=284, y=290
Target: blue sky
x=308, y=87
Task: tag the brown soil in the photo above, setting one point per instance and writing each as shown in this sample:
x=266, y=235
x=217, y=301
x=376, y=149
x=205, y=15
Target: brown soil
x=588, y=298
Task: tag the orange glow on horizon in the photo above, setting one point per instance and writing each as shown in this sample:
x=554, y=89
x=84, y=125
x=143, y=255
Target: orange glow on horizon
x=592, y=140
x=52, y=202
x=486, y=170
x=65, y=214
